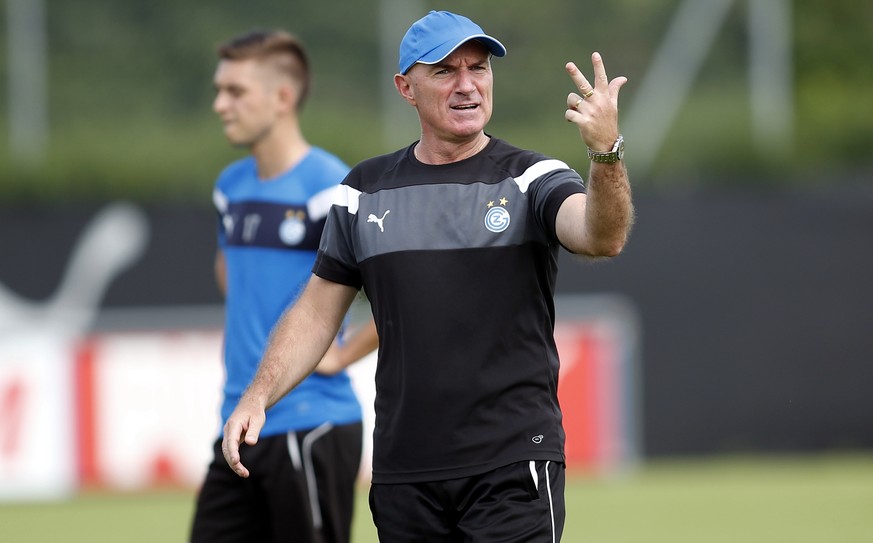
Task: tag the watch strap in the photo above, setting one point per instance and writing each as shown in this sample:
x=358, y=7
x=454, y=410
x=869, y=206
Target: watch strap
x=608, y=157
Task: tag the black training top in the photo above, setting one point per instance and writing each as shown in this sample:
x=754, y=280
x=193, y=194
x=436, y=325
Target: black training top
x=459, y=263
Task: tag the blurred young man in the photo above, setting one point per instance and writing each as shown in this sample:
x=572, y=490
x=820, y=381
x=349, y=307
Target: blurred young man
x=272, y=206
x=455, y=240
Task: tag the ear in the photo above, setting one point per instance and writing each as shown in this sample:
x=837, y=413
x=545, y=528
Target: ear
x=404, y=87
x=288, y=95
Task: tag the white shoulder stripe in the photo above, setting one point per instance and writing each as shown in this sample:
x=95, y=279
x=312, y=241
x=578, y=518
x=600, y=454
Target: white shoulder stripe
x=349, y=198
x=538, y=170
x=220, y=201
x=319, y=205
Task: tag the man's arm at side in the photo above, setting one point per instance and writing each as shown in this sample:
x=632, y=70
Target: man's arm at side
x=297, y=343
x=220, y=268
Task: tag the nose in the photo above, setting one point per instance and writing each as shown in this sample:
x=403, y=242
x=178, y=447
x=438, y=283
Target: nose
x=219, y=103
x=465, y=82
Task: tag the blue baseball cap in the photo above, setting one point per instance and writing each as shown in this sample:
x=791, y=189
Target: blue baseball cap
x=433, y=37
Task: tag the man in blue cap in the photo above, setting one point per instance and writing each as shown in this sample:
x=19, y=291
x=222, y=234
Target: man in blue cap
x=455, y=241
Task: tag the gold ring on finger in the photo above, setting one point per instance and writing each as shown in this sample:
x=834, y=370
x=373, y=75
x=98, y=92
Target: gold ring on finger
x=579, y=101
x=588, y=94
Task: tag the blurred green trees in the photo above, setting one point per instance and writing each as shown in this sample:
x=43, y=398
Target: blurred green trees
x=130, y=90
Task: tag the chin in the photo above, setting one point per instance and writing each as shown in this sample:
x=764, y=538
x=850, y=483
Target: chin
x=236, y=141
x=472, y=126
x=467, y=132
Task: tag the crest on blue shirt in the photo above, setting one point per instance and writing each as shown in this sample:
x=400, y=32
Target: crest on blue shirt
x=497, y=217
x=293, y=229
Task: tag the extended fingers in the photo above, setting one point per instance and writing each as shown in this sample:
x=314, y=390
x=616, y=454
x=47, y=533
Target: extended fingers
x=617, y=83
x=578, y=79
x=602, y=84
x=601, y=81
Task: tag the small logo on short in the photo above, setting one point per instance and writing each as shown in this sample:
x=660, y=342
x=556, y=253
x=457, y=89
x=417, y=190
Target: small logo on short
x=537, y=439
x=378, y=220
x=497, y=218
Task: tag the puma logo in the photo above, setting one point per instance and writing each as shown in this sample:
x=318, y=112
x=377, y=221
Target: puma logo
x=114, y=240
x=378, y=220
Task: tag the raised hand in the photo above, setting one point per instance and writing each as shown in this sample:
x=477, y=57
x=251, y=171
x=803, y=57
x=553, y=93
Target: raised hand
x=594, y=109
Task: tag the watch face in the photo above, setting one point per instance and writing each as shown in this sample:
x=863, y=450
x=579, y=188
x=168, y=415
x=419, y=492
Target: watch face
x=620, y=151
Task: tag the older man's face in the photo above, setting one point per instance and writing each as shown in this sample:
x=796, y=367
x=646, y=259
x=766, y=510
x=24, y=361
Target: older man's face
x=453, y=97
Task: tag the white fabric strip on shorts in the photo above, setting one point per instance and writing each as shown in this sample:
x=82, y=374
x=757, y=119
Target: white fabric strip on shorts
x=536, y=480
x=551, y=502
x=294, y=450
x=309, y=471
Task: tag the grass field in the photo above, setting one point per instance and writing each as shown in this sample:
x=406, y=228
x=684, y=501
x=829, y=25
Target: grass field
x=793, y=499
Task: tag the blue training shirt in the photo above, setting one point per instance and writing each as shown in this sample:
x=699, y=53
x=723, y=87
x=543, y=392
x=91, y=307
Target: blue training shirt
x=269, y=231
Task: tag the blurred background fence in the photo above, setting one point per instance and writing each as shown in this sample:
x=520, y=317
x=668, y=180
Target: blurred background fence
x=750, y=147
x=109, y=99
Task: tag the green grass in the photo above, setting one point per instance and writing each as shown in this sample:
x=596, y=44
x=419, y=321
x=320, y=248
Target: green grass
x=803, y=499
x=767, y=499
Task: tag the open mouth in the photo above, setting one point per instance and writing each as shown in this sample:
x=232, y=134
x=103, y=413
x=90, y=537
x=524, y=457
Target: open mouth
x=465, y=107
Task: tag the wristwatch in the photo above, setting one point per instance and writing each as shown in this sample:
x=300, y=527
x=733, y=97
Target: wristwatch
x=609, y=157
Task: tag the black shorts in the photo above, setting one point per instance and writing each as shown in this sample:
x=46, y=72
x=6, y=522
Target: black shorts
x=301, y=488
x=515, y=503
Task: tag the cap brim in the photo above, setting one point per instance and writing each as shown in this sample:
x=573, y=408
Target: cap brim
x=439, y=53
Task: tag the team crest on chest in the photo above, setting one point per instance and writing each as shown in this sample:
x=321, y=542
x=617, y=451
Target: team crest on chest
x=293, y=229
x=497, y=216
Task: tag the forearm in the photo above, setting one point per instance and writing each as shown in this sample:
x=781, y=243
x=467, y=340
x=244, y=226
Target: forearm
x=609, y=212
x=297, y=343
x=606, y=211
x=220, y=269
